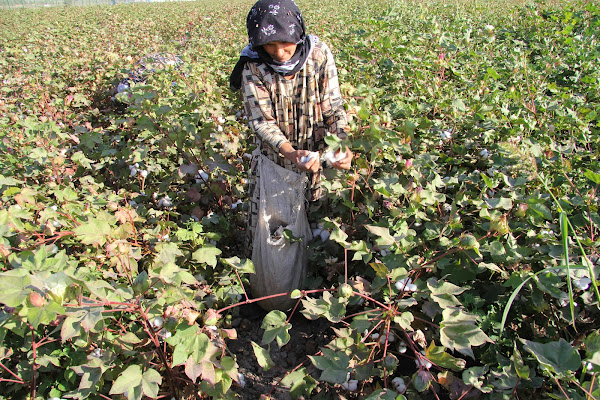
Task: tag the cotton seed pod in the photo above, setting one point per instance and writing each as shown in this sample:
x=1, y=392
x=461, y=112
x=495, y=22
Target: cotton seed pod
x=36, y=299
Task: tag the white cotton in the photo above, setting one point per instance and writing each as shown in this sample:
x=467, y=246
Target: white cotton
x=406, y=285
x=402, y=347
x=331, y=158
x=317, y=232
x=221, y=120
x=484, y=153
x=241, y=379
x=391, y=338
x=310, y=156
x=132, y=171
x=422, y=362
x=324, y=235
x=583, y=283
x=237, y=203
x=158, y=322
x=375, y=336
x=399, y=384
x=165, y=202
x=123, y=86
x=446, y=135
x=383, y=253
x=248, y=156
x=351, y=385
x=143, y=173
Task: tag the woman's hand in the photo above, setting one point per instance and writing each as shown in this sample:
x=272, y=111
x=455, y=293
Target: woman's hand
x=345, y=162
x=310, y=164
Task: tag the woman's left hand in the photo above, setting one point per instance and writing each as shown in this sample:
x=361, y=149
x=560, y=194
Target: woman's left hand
x=346, y=162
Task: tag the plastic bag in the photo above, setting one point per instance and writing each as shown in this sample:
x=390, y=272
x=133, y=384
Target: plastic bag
x=279, y=263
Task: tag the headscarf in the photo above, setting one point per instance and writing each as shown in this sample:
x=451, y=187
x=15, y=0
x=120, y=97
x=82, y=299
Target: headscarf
x=273, y=21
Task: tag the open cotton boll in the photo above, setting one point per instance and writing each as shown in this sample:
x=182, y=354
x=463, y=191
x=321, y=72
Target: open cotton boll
x=402, y=347
x=165, y=202
x=324, y=235
x=583, y=283
x=399, y=384
x=351, y=385
x=423, y=362
x=241, y=379
x=158, y=322
x=406, y=284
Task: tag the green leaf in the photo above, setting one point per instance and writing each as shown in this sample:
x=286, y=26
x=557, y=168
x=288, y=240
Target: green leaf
x=333, y=364
x=263, y=357
x=167, y=253
x=130, y=378
x=405, y=320
x=90, y=373
x=439, y=357
x=383, y=235
x=502, y=202
x=246, y=266
x=459, y=332
x=380, y=269
x=276, y=328
x=520, y=367
x=94, y=231
x=459, y=105
x=190, y=342
x=592, y=176
x=592, y=348
x=13, y=287
x=300, y=383
x=44, y=314
x=385, y=394
x=541, y=210
x=555, y=357
x=151, y=381
x=207, y=254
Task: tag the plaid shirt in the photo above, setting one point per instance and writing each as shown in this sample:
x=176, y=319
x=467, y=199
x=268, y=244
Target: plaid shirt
x=301, y=111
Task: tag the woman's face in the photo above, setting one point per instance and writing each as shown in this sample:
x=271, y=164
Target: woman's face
x=280, y=51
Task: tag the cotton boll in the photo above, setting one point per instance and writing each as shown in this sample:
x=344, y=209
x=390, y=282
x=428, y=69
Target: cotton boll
x=132, y=171
x=583, y=283
x=375, y=336
x=143, y=173
x=399, y=384
x=237, y=203
x=165, y=202
x=241, y=379
x=324, y=235
x=422, y=362
x=351, y=385
x=484, y=153
x=158, y=322
x=446, y=135
x=402, y=347
x=123, y=86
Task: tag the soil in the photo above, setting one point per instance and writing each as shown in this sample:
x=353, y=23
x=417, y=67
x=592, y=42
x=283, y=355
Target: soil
x=306, y=338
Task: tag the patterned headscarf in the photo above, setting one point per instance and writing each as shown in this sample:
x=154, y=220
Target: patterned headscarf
x=273, y=21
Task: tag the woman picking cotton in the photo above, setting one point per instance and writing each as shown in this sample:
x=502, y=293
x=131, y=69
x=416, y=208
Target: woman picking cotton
x=292, y=99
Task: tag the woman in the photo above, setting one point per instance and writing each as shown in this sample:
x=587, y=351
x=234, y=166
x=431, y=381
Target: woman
x=291, y=95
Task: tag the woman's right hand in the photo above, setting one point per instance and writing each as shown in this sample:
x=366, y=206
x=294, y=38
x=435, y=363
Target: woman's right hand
x=298, y=157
